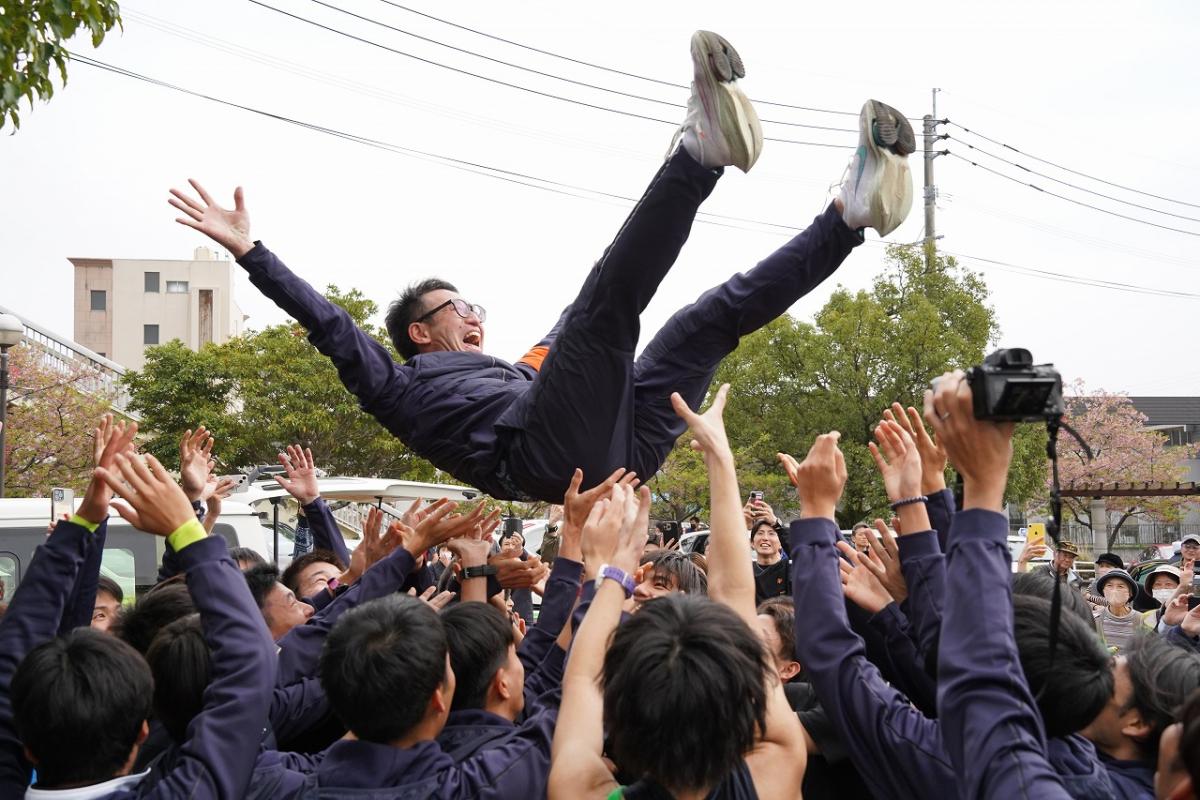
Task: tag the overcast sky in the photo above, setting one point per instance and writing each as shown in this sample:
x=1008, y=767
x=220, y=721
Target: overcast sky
x=1106, y=89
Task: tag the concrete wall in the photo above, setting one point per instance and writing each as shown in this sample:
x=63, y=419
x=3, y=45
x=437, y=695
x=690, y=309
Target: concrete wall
x=93, y=329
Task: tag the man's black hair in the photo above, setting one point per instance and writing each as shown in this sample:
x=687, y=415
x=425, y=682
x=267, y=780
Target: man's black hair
x=111, y=587
x=478, y=636
x=240, y=555
x=689, y=666
x=291, y=575
x=782, y=611
x=1072, y=691
x=261, y=578
x=405, y=310
x=79, y=703
x=672, y=563
x=381, y=664
x=759, y=523
x=1040, y=583
x=1163, y=676
x=161, y=606
x=181, y=664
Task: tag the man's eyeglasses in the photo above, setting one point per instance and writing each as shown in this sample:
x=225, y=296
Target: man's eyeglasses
x=461, y=307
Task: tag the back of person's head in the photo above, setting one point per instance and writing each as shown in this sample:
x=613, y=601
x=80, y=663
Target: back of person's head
x=679, y=567
x=181, y=664
x=405, y=309
x=782, y=611
x=1040, y=583
x=245, y=557
x=685, y=692
x=381, y=664
x=1072, y=689
x=1163, y=677
x=1189, y=742
x=291, y=576
x=261, y=578
x=79, y=703
x=161, y=606
x=479, y=638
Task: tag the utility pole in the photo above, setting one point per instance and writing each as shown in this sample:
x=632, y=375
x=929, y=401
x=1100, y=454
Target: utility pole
x=930, y=121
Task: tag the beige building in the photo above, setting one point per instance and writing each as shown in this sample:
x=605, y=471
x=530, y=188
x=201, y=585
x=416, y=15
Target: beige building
x=123, y=306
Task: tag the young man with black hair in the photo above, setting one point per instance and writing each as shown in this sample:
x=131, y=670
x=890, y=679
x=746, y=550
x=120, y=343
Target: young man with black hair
x=79, y=704
x=579, y=397
x=109, y=597
x=665, y=572
x=312, y=573
x=772, y=570
x=687, y=664
x=279, y=606
x=1153, y=679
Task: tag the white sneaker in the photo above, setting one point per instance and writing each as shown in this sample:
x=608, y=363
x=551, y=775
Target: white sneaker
x=877, y=190
x=721, y=128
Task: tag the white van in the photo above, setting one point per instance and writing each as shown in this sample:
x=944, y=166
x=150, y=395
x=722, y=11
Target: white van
x=131, y=557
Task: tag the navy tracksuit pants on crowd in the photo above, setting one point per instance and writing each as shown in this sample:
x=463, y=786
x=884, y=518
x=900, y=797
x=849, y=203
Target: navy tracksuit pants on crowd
x=593, y=405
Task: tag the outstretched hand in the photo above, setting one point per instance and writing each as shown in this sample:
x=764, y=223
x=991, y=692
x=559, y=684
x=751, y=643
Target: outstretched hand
x=708, y=429
x=228, y=228
x=820, y=478
x=110, y=438
x=153, y=502
x=301, y=480
x=898, y=460
x=577, y=505
x=860, y=582
x=195, y=463
x=933, y=455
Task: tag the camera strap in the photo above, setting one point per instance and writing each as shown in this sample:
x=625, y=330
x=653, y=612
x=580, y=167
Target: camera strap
x=1054, y=527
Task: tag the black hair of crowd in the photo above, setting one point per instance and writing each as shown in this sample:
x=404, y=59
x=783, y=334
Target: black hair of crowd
x=782, y=612
x=381, y=664
x=261, y=578
x=246, y=556
x=405, y=309
x=79, y=703
x=1040, y=583
x=1162, y=675
x=158, y=608
x=181, y=664
x=478, y=637
x=691, y=666
x=689, y=578
x=1073, y=688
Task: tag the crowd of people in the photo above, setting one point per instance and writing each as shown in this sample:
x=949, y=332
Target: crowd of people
x=907, y=662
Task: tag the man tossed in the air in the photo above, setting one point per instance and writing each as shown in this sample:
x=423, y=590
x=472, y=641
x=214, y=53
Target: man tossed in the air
x=579, y=398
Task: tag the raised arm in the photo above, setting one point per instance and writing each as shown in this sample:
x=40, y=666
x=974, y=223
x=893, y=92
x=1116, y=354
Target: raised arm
x=300, y=481
x=993, y=732
x=779, y=757
x=366, y=367
x=218, y=756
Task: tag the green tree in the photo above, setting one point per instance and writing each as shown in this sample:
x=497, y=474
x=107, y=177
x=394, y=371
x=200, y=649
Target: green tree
x=33, y=36
x=864, y=350
x=265, y=390
x=51, y=415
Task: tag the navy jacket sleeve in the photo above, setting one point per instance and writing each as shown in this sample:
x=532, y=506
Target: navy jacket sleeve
x=897, y=749
x=941, y=510
x=300, y=648
x=924, y=569
x=326, y=533
x=917, y=685
x=562, y=587
x=297, y=708
x=1176, y=636
x=218, y=756
x=992, y=730
x=82, y=602
x=365, y=366
x=33, y=616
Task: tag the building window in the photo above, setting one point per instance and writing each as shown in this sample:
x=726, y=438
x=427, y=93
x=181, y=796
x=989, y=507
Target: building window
x=152, y=282
x=177, y=287
x=149, y=334
x=99, y=300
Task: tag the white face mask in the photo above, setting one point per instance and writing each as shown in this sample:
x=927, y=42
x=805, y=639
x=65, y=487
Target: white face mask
x=1163, y=595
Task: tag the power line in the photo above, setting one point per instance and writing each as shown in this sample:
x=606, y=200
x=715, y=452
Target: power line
x=579, y=192
x=550, y=75
x=509, y=85
x=594, y=65
x=981, y=151
x=1071, y=199
x=1068, y=169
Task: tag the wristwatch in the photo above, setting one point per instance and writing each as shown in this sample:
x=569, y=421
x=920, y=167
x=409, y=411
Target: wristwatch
x=619, y=575
x=482, y=571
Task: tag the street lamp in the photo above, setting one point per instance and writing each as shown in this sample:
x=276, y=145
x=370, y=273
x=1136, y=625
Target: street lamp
x=11, y=331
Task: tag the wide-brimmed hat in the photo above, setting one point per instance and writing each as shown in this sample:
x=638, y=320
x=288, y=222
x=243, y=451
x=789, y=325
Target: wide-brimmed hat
x=1070, y=548
x=1161, y=569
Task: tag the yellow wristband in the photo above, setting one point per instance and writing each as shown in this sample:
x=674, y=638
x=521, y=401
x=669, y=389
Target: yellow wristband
x=189, y=532
x=84, y=523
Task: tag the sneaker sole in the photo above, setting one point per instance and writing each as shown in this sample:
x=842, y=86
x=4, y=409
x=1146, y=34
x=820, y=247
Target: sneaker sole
x=891, y=139
x=719, y=65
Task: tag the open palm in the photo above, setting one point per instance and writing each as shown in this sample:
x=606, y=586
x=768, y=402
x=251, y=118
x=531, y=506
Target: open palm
x=228, y=228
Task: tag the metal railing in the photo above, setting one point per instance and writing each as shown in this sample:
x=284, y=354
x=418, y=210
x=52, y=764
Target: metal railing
x=59, y=353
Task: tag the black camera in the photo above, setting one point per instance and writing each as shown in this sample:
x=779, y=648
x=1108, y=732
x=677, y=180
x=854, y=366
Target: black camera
x=1008, y=387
